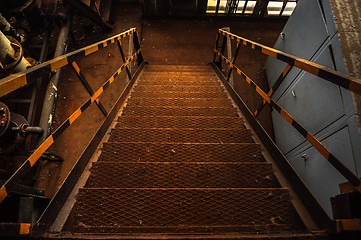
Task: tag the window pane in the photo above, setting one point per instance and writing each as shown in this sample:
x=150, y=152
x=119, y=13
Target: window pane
x=289, y=9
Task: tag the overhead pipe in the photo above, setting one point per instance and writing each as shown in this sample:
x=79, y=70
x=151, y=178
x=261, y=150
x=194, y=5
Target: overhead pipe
x=51, y=94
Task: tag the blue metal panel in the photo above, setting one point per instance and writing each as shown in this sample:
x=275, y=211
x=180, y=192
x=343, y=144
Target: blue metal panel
x=324, y=109
x=313, y=102
x=304, y=33
x=318, y=174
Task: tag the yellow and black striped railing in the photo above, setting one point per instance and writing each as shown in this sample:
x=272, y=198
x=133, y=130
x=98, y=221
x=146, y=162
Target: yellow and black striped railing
x=330, y=75
x=19, y=80
x=16, y=81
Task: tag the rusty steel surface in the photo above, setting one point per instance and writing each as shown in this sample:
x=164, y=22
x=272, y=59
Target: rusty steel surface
x=182, y=175
x=161, y=152
x=179, y=80
x=159, y=208
x=181, y=88
x=181, y=135
x=178, y=74
x=169, y=94
x=180, y=102
x=180, y=111
x=180, y=122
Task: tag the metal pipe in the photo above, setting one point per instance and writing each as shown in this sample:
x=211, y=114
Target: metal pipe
x=6, y=27
x=51, y=94
x=11, y=56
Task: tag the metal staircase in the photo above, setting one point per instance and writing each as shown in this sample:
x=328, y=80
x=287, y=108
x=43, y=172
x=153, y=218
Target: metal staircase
x=180, y=163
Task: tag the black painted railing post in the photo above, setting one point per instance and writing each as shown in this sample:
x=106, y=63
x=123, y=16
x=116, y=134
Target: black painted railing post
x=136, y=43
x=223, y=48
x=216, y=47
x=119, y=43
x=233, y=61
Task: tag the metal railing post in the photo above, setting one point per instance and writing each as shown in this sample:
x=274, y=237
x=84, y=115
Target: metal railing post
x=136, y=43
x=233, y=61
x=223, y=48
x=216, y=47
x=119, y=43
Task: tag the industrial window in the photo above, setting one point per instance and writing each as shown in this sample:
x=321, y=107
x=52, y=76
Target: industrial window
x=237, y=7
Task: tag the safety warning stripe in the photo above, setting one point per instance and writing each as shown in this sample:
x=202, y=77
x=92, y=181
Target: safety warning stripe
x=350, y=176
x=280, y=79
x=348, y=225
x=14, y=229
x=18, y=80
x=27, y=165
x=330, y=75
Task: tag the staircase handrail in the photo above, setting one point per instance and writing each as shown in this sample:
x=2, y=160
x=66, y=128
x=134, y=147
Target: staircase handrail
x=329, y=75
x=24, y=78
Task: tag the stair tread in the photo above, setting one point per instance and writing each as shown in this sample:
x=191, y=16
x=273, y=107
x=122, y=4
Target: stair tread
x=184, y=88
x=182, y=175
x=114, y=207
x=177, y=73
x=161, y=152
x=181, y=135
x=167, y=94
x=179, y=122
x=186, y=102
x=179, y=111
x=193, y=82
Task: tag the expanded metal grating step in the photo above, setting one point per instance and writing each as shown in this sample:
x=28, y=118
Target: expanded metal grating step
x=178, y=73
x=167, y=68
x=181, y=135
x=179, y=122
x=182, y=175
x=180, y=88
x=170, y=94
x=164, y=210
x=161, y=152
x=180, y=102
x=180, y=111
x=179, y=80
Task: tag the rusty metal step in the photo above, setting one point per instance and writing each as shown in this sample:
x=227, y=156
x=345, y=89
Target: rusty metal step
x=179, y=122
x=178, y=81
x=181, y=135
x=182, y=175
x=166, y=68
x=187, y=78
x=180, y=102
x=170, y=94
x=284, y=235
x=181, y=88
x=180, y=111
x=176, y=210
x=162, y=152
x=178, y=73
